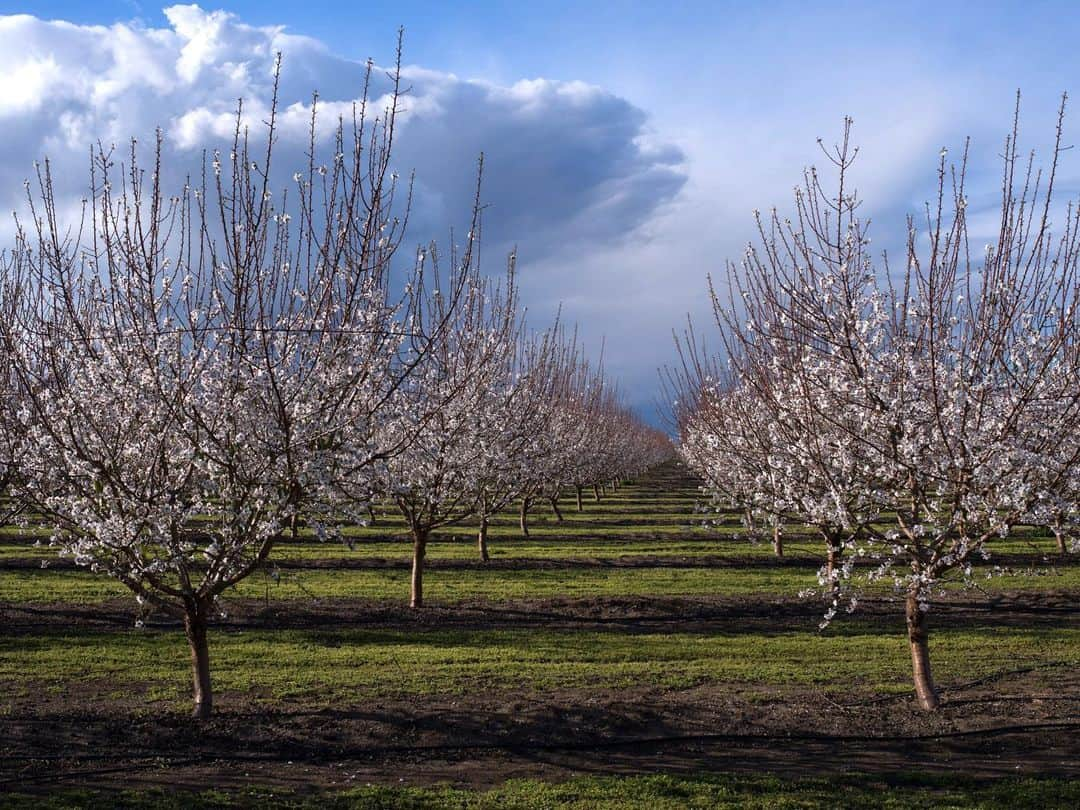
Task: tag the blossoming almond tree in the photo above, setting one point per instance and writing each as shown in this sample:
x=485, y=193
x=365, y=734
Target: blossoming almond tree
x=557, y=439
x=547, y=436
x=975, y=379
x=1057, y=479
x=753, y=425
x=444, y=406
x=931, y=402
x=586, y=412
x=518, y=440
x=11, y=501
x=189, y=363
x=605, y=441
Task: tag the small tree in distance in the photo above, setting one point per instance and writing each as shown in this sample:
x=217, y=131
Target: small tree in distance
x=11, y=501
x=443, y=408
x=519, y=441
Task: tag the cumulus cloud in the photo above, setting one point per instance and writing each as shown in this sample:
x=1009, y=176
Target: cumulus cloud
x=566, y=162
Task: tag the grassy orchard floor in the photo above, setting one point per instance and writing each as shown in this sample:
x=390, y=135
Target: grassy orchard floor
x=612, y=793
x=627, y=639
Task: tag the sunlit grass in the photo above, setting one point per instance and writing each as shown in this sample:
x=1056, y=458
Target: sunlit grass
x=450, y=585
x=657, y=792
x=336, y=667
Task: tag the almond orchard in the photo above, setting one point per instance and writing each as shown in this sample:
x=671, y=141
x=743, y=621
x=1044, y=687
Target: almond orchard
x=420, y=550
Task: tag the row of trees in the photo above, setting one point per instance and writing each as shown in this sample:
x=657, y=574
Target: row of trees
x=913, y=417
x=185, y=378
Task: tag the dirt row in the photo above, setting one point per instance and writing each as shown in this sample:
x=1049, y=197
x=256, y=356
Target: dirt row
x=1022, y=720
x=651, y=614
x=1049, y=563
x=1018, y=723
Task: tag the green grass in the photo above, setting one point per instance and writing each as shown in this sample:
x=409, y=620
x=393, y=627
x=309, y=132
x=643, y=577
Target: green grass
x=342, y=667
x=448, y=585
x=658, y=792
x=605, y=531
x=636, y=520
x=440, y=585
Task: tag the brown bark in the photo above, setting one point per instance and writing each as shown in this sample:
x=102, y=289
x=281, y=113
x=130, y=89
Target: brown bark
x=371, y=516
x=578, y=491
x=481, y=539
x=416, y=597
x=524, y=516
x=778, y=540
x=832, y=567
x=919, y=638
x=1060, y=535
x=596, y=493
x=751, y=524
x=555, y=508
x=296, y=494
x=202, y=692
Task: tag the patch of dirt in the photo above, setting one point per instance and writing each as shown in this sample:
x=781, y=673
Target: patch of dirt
x=1013, y=724
x=651, y=614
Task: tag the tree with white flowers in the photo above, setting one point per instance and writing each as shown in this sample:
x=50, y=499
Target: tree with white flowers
x=11, y=501
x=556, y=443
x=518, y=443
x=920, y=412
x=191, y=366
x=451, y=408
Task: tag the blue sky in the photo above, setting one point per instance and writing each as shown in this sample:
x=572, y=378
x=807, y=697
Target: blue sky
x=624, y=196
x=599, y=41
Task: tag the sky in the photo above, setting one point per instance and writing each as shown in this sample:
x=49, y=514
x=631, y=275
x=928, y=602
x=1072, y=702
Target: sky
x=626, y=143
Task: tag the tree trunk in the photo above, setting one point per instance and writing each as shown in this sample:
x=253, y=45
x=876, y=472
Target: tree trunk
x=1060, y=535
x=579, y=506
x=596, y=493
x=555, y=508
x=751, y=524
x=524, y=521
x=918, y=638
x=371, y=515
x=481, y=538
x=420, y=538
x=832, y=567
x=195, y=630
x=778, y=540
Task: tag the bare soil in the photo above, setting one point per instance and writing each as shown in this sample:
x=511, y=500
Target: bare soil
x=650, y=614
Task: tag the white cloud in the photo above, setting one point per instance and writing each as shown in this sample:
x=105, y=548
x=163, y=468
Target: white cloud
x=25, y=85
x=570, y=169
x=565, y=160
